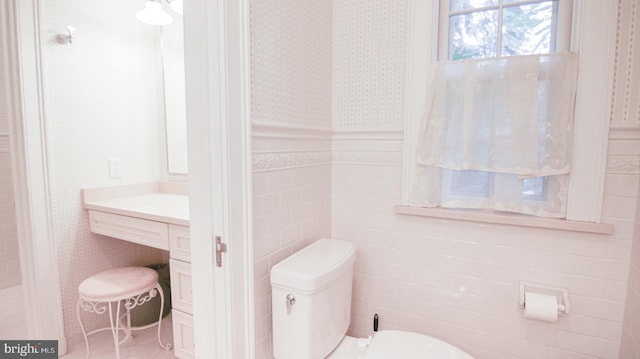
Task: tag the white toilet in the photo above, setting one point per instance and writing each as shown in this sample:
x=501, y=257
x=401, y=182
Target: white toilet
x=311, y=302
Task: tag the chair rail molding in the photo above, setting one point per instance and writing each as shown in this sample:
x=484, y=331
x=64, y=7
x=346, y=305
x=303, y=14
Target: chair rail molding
x=269, y=161
x=626, y=165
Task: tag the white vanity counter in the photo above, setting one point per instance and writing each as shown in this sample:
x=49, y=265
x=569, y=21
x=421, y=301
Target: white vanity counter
x=161, y=207
x=156, y=201
x=140, y=213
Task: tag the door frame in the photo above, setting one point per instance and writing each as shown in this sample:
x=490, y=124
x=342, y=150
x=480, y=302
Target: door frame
x=218, y=116
x=219, y=149
x=38, y=254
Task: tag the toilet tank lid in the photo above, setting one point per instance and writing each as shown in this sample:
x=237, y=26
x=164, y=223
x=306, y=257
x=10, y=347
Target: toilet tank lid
x=315, y=266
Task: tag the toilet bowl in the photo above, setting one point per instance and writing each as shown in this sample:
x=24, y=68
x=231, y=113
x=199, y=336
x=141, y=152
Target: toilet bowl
x=396, y=344
x=311, y=310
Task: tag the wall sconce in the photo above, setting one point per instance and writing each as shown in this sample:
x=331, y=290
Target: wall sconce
x=153, y=14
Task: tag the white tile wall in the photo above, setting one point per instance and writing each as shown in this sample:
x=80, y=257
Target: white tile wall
x=292, y=204
x=458, y=281
x=102, y=99
x=630, y=346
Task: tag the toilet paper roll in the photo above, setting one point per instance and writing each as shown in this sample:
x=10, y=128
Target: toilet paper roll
x=541, y=307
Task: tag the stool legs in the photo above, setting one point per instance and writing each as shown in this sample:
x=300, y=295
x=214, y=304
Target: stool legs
x=168, y=345
x=84, y=332
x=115, y=321
x=101, y=308
x=114, y=326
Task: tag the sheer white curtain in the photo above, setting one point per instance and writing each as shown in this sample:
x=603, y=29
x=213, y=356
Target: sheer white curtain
x=497, y=133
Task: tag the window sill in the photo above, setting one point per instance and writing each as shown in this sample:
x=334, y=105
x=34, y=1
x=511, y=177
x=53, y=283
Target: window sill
x=508, y=219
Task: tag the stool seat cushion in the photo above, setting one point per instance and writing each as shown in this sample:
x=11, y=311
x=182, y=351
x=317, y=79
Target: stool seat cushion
x=117, y=284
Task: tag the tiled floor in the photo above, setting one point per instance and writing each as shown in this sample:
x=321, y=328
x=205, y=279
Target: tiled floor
x=144, y=345
x=12, y=324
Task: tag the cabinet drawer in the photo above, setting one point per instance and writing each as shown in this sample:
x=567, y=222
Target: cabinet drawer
x=136, y=230
x=179, y=243
x=181, y=297
x=183, y=346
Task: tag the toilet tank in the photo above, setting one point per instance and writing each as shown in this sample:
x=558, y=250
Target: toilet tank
x=311, y=299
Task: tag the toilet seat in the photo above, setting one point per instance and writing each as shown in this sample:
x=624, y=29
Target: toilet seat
x=348, y=348
x=397, y=344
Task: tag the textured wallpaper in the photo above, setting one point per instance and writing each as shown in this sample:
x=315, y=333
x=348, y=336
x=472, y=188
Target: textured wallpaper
x=102, y=99
x=291, y=62
x=369, y=39
x=625, y=111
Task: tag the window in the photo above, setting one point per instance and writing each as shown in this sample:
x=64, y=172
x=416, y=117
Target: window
x=592, y=33
x=493, y=28
x=497, y=132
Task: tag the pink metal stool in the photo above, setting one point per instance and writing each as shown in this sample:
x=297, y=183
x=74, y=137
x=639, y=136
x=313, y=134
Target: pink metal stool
x=103, y=291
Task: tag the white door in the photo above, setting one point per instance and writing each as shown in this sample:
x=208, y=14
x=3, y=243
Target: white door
x=219, y=134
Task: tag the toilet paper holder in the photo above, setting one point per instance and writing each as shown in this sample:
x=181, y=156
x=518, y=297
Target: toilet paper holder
x=562, y=294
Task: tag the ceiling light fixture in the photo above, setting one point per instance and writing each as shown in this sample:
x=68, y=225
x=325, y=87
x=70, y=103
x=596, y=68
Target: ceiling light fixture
x=153, y=14
x=176, y=5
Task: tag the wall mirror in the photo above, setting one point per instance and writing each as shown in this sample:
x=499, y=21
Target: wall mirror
x=174, y=97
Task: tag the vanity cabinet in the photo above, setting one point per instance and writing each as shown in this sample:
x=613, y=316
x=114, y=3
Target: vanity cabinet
x=182, y=335
x=181, y=295
x=154, y=215
x=149, y=233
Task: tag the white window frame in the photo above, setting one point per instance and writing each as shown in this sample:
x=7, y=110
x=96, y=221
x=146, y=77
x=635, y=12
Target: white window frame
x=593, y=37
x=563, y=30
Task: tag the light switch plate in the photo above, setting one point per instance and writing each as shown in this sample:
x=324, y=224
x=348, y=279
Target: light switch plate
x=115, y=168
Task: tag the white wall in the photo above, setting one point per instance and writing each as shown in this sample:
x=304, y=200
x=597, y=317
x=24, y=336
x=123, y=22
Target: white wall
x=9, y=254
x=458, y=281
x=626, y=114
x=630, y=346
x=455, y=280
x=291, y=58
x=102, y=99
